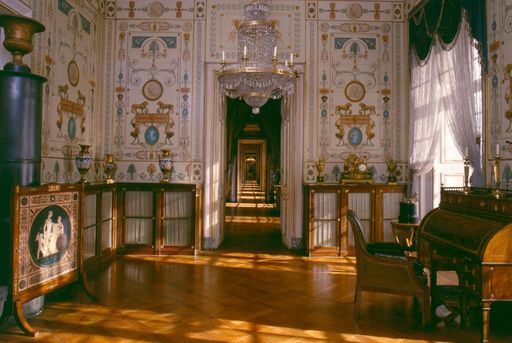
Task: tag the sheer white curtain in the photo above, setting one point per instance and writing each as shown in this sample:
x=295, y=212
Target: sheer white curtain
x=445, y=85
x=462, y=84
x=424, y=119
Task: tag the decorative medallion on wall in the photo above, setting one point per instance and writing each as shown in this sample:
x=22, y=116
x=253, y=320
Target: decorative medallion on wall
x=311, y=10
x=155, y=9
x=200, y=9
x=73, y=73
x=151, y=135
x=355, y=136
x=355, y=91
x=111, y=9
x=71, y=128
x=354, y=11
x=507, y=23
x=152, y=90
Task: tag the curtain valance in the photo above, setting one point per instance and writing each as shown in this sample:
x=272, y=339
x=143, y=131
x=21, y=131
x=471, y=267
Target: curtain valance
x=442, y=18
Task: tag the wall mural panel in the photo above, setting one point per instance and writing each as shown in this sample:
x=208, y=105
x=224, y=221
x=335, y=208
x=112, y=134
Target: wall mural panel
x=70, y=62
x=360, y=68
x=153, y=88
x=154, y=82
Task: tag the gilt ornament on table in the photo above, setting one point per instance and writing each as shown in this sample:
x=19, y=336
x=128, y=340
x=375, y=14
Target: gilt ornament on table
x=355, y=170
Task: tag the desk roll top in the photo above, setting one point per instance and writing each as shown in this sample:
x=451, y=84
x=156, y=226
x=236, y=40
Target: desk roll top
x=473, y=233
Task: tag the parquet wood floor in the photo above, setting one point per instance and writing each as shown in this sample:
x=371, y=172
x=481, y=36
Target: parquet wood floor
x=250, y=290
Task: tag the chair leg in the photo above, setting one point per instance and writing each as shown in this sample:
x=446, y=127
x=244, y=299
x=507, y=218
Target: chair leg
x=357, y=302
x=427, y=312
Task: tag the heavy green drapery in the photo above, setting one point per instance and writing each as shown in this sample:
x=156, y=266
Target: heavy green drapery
x=442, y=18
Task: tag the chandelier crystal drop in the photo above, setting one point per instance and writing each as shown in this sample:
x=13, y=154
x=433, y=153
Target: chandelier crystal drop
x=258, y=75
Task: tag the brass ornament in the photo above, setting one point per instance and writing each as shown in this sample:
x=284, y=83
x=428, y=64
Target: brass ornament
x=355, y=170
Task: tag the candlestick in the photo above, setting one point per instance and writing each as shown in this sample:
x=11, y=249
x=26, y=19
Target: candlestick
x=466, y=173
x=497, y=177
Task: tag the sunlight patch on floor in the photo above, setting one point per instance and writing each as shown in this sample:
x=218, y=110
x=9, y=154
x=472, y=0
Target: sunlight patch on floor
x=252, y=219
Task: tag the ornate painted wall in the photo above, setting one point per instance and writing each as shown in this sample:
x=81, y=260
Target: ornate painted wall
x=356, y=68
x=128, y=77
x=153, y=90
x=70, y=55
x=500, y=85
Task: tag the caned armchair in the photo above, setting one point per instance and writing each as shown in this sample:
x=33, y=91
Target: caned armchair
x=384, y=268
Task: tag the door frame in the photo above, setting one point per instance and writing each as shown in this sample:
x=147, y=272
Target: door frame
x=292, y=137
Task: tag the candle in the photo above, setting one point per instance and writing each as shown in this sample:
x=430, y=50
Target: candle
x=223, y=55
x=286, y=62
x=245, y=51
x=467, y=152
x=497, y=149
x=291, y=58
x=275, y=52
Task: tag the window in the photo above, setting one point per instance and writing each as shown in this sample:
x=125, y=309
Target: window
x=445, y=118
x=449, y=164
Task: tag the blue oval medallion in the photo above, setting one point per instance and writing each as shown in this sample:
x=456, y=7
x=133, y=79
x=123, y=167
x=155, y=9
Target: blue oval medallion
x=495, y=81
x=385, y=114
x=151, y=135
x=72, y=128
x=355, y=136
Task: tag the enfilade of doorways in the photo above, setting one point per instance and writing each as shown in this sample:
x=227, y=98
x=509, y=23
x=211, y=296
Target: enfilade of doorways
x=252, y=222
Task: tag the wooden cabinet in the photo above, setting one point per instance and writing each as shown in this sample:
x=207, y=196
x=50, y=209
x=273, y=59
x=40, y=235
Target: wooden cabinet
x=151, y=218
x=326, y=230
x=157, y=218
x=99, y=222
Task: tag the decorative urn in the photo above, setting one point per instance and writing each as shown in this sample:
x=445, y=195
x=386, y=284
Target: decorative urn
x=166, y=165
x=18, y=39
x=83, y=161
x=320, y=165
x=392, y=166
x=109, y=167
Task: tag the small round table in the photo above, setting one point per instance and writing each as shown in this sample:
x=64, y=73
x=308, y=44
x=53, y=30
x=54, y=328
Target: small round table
x=405, y=234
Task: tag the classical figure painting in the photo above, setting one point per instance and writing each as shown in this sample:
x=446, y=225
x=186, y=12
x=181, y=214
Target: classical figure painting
x=49, y=236
x=45, y=237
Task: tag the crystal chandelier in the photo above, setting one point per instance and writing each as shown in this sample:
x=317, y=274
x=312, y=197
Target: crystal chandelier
x=258, y=75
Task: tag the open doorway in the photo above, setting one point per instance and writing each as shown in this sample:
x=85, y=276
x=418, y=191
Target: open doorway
x=253, y=145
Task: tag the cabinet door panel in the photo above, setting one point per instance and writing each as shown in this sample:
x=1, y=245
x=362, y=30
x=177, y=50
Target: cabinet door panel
x=391, y=210
x=361, y=204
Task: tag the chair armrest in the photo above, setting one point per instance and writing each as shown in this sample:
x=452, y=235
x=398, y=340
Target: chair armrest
x=385, y=248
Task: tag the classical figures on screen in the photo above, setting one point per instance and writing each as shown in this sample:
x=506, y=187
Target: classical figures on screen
x=51, y=237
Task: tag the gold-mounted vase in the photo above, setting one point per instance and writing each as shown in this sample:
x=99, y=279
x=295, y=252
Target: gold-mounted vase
x=391, y=166
x=320, y=165
x=83, y=162
x=165, y=163
x=109, y=167
x=18, y=39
